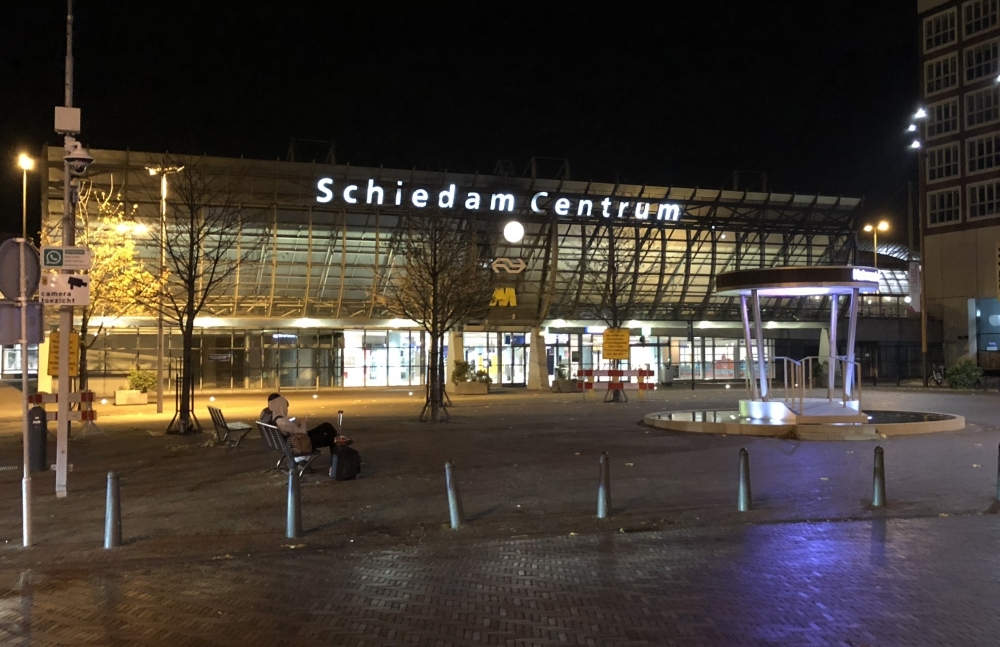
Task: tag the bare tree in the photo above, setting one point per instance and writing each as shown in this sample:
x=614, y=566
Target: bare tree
x=440, y=284
x=613, y=277
x=204, y=223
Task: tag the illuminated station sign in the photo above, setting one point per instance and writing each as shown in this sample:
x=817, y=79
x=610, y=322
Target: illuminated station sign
x=452, y=198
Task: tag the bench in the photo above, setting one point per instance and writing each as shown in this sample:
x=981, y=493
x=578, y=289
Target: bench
x=230, y=433
x=277, y=441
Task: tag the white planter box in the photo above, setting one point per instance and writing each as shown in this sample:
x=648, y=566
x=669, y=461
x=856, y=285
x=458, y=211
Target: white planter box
x=130, y=397
x=472, y=388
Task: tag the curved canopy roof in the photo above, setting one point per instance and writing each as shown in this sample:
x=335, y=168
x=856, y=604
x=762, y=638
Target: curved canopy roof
x=797, y=281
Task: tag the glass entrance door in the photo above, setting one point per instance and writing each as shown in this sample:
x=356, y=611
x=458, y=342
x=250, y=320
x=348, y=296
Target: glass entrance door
x=515, y=359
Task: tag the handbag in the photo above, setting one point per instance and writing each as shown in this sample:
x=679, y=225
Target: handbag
x=301, y=443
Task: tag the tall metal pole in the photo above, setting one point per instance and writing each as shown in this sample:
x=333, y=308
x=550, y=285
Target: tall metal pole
x=26, y=478
x=875, y=244
x=159, y=298
x=65, y=312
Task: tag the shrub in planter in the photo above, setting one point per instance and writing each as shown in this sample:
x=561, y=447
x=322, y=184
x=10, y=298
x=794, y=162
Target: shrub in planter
x=143, y=381
x=964, y=375
x=482, y=376
x=462, y=372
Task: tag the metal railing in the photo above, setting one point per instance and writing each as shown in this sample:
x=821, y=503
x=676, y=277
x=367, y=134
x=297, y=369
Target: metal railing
x=797, y=377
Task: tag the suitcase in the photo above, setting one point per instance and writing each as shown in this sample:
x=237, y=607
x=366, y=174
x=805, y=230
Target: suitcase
x=345, y=463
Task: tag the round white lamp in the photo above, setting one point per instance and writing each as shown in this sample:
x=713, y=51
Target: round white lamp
x=513, y=232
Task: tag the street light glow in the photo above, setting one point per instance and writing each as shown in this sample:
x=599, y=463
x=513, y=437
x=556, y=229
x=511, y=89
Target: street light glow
x=25, y=162
x=883, y=226
x=912, y=128
x=915, y=144
x=920, y=114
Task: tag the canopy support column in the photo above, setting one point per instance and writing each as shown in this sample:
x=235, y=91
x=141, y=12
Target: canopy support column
x=832, y=360
x=749, y=347
x=851, y=336
x=761, y=360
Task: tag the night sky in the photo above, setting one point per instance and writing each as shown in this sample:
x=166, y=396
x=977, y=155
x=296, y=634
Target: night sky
x=817, y=95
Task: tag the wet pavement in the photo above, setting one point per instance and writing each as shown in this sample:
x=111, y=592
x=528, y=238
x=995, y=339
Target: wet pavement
x=880, y=582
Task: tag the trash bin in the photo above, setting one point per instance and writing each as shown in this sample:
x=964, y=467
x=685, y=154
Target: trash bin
x=38, y=438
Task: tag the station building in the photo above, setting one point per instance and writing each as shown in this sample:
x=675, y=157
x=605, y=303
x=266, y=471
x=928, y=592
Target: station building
x=301, y=311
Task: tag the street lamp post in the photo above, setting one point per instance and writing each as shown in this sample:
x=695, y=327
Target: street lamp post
x=873, y=230
x=163, y=172
x=26, y=164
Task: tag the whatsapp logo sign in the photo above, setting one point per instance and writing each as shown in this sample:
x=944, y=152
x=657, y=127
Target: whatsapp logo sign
x=53, y=258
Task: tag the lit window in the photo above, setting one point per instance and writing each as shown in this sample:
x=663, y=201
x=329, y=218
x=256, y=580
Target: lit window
x=939, y=30
x=981, y=61
x=979, y=15
x=942, y=162
x=943, y=206
x=941, y=74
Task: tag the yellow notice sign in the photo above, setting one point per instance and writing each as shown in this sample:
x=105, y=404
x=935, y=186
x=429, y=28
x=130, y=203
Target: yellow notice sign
x=504, y=298
x=615, y=343
x=74, y=354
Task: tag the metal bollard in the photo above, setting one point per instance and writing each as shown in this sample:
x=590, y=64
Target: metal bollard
x=878, y=487
x=604, y=488
x=454, y=497
x=113, y=514
x=340, y=422
x=745, y=498
x=293, y=524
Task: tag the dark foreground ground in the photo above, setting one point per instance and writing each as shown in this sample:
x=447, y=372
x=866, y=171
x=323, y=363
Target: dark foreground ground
x=206, y=561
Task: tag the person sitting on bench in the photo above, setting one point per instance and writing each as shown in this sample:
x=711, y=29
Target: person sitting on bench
x=276, y=413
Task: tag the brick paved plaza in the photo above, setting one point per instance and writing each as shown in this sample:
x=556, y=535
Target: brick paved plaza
x=206, y=561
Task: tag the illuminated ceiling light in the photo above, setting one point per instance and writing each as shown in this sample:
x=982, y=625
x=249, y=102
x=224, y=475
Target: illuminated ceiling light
x=559, y=323
x=907, y=299
x=513, y=232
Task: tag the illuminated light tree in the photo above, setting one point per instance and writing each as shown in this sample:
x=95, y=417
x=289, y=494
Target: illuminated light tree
x=120, y=284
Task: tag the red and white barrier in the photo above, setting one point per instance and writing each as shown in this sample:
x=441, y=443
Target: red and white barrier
x=615, y=383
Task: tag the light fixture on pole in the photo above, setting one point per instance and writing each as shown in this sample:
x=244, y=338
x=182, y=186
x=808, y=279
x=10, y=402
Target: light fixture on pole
x=26, y=164
x=163, y=172
x=873, y=230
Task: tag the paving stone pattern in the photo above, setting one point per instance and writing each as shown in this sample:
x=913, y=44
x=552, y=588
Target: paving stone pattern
x=852, y=584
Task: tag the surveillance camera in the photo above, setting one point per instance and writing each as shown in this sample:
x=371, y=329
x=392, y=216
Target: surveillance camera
x=78, y=158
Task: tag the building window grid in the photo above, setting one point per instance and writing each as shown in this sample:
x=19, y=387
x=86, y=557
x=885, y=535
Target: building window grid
x=984, y=199
x=980, y=15
x=982, y=107
x=942, y=162
x=942, y=118
x=981, y=60
x=939, y=30
x=982, y=154
x=941, y=75
x=944, y=207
